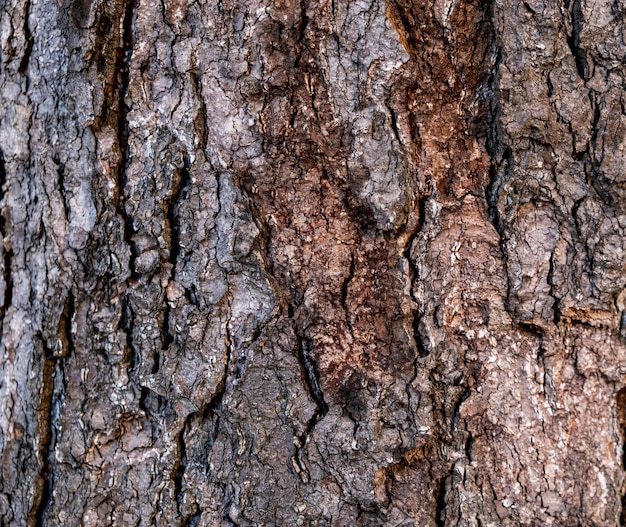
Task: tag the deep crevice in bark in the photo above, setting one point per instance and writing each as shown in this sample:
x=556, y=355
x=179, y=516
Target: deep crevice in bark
x=122, y=68
x=192, y=521
x=556, y=306
x=201, y=125
x=469, y=444
x=596, y=176
x=573, y=40
x=65, y=326
x=344, y=293
x=41, y=499
x=180, y=466
x=127, y=324
x=620, y=404
x=53, y=364
x=7, y=255
x=210, y=407
x=166, y=336
x=440, y=511
x=499, y=172
x=8, y=280
x=394, y=122
x=3, y=174
x=311, y=378
x=62, y=187
x=422, y=350
x=29, y=40
x=181, y=183
x=304, y=22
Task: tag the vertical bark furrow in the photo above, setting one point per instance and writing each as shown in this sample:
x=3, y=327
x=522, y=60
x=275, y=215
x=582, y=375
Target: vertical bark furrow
x=311, y=377
x=122, y=78
x=7, y=284
x=42, y=493
x=573, y=38
x=28, y=40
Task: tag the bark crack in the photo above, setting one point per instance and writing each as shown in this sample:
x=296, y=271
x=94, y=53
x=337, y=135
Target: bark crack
x=122, y=67
x=181, y=183
x=311, y=377
x=440, y=511
x=29, y=41
x=53, y=364
x=208, y=408
x=7, y=278
x=556, y=309
x=7, y=254
x=620, y=408
x=42, y=494
x=394, y=122
x=422, y=350
x=344, y=294
x=573, y=40
x=127, y=324
x=62, y=188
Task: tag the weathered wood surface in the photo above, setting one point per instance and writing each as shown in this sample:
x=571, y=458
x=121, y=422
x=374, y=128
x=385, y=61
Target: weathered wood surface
x=312, y=262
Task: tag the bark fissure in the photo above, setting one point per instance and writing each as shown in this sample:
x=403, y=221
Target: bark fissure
x=592, y=161
x=127, y=324
x=208, y=408
x=573, y=40
x=122, y=76
x=556, y=306
x=620, y=407
x=3, y=174
x=344, y=293
x=7, y=254
x=53, y=364
x=202, y=126
x=422, y=349
x=180, y=185
x=456, y=411
x=178, y=472
x=65, y=331
x=7, y=259
x=42, y=495
x=62, y=186
x=394, y=122
x=28, y=39
x=440, y=511
x=312, y=382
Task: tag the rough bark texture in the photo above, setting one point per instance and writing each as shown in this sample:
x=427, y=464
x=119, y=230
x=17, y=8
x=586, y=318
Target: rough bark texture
x=312, y=262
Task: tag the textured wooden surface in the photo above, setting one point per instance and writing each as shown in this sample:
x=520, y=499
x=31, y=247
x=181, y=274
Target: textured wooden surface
x=312, y=262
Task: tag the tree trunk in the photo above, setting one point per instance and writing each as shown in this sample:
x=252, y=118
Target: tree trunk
x=312, y=262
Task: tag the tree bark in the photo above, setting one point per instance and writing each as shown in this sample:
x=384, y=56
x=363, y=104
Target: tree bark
x=312, y=262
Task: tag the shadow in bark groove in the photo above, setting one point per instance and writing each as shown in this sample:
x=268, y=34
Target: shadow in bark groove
x=122, y=79
x=620, y=406
x=53, y=366
x=7, y=255
x=42, y=495
x=311, y=377
x=28, y=38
